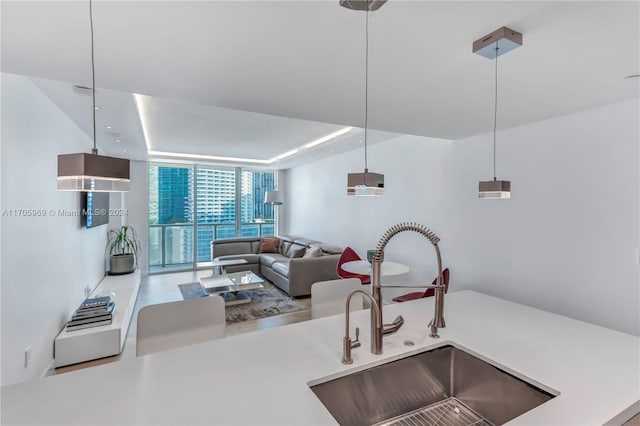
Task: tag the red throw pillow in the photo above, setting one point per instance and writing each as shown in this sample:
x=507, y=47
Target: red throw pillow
x=269, y=245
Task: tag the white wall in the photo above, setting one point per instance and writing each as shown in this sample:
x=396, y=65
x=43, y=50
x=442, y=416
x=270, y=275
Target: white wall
x=566, y=241
x=134, y=206
x=280, y=212
x=136, y=203
x=47, y=261
x=415, y=170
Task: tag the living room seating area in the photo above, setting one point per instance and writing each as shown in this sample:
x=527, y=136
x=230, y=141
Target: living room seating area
x=292, y=263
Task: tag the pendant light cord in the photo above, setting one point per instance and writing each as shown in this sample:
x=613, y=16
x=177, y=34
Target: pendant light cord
x=495, y=115
x=366, y=86
x=93, y=81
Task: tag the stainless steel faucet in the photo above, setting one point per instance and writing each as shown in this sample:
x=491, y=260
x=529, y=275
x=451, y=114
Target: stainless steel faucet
x=378, y=329
x=438, y=316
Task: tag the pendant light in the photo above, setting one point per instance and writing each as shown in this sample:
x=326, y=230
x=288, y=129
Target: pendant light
x=367, y=183
x=273, y=198
x=491, y=46
x=92, y=172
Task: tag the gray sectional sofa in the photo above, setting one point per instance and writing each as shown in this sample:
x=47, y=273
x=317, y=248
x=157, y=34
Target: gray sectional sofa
x=287, y=268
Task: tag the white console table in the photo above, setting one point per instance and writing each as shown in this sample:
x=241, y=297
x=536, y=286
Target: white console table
x=71, y=347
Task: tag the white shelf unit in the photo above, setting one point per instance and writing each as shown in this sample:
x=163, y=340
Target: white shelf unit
x=71, y=347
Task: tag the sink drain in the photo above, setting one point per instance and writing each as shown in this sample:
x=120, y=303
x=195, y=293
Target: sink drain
x=408, y=343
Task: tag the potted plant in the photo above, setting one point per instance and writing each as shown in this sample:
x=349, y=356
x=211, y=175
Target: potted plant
x=123, y=250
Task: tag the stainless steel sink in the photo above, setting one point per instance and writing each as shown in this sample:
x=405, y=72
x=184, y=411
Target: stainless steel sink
x=444, y=386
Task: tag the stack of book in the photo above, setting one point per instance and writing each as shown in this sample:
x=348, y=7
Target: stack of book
x=92, y=313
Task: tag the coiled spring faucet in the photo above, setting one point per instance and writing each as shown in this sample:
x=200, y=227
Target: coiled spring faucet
x=378, y=329
x=438, y=315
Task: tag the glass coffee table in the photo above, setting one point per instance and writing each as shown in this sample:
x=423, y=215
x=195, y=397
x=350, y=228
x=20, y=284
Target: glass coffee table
x=231, y=286
x=219, y=265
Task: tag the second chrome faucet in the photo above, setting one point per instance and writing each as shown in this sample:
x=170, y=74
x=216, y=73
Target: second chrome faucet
x=378, y=329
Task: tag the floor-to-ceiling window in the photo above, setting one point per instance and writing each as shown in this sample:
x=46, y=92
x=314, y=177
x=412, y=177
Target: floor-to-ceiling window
x=256, y=216
x=215, y=207
x=189, y=206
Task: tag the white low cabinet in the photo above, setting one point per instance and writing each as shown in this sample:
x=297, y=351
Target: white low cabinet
x=71, y=347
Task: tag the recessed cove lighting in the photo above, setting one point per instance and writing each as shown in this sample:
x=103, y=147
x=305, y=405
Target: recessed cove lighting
x=328, y=137
x=141, y=106
x=285, y=155
x=206, y=157
x=139, y=101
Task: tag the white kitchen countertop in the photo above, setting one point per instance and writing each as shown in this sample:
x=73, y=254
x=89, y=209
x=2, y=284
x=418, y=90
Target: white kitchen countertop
x=262, y=378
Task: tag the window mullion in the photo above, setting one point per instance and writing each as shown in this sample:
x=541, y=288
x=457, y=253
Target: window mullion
x=238, y=197
x=195, y=216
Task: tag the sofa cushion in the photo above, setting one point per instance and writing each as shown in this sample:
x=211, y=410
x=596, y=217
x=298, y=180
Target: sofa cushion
x=249, y=257
x=282, y=268
x=269, y=245
x=297, y=251
x=313, y=251
x=329, y=249
x=306, y=242
x=267, y=259
x=285, y=246
x=221, y=248
x=289, y=238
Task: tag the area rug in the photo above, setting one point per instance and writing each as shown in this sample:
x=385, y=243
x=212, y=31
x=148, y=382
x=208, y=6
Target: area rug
x=265, y=302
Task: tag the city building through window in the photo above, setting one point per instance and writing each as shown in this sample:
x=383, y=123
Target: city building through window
x=192, y=205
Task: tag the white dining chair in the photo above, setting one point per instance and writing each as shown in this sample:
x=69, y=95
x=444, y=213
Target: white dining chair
x=329, y=297
x=186, y=322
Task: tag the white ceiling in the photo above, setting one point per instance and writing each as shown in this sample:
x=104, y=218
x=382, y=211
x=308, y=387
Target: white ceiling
x=305, y=60
x=180, y=127
x=201, y=129
x=117, y=110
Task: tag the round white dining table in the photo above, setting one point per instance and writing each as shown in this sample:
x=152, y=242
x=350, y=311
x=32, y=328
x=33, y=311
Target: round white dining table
x=363, y=267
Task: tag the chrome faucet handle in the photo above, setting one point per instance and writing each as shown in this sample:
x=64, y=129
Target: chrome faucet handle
x=394, y=326
x=356, y=343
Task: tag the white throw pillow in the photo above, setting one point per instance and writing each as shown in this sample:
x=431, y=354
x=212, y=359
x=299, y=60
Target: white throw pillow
x=313, y=251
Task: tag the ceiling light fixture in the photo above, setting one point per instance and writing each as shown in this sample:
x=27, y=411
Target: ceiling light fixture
x=92, y=172
x=367, y=183
x=491, y=46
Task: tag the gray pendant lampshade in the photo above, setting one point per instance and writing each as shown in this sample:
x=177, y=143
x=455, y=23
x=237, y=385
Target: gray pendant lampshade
x=491, y=46
x=273, y=198
x=365, y=184
x=92, y=172
x=498, y=189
